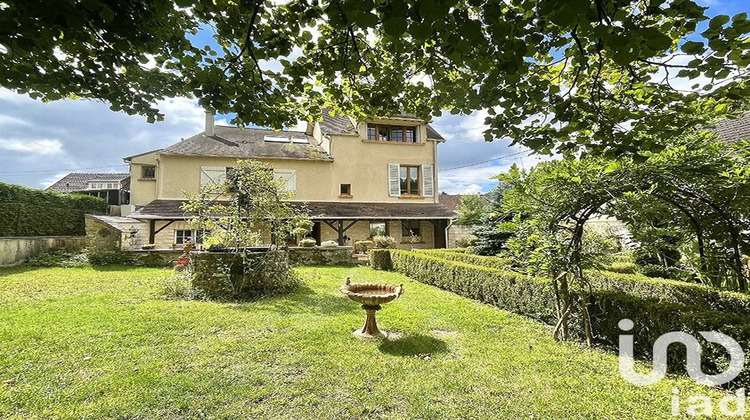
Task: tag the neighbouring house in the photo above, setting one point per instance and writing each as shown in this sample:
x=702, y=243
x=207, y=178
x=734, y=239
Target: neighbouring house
x=357, y=179
x=112, y=187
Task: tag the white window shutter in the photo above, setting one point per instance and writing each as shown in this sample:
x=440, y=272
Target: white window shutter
x=394, y=182
x=428, y=181
x=213, y=175
x=289, y=178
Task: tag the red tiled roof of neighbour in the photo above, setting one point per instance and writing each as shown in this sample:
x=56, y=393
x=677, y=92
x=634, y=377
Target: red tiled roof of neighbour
x=172, y=209
x=78, y=181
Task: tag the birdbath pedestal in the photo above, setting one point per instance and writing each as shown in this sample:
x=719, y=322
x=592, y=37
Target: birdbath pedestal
x=371, y=296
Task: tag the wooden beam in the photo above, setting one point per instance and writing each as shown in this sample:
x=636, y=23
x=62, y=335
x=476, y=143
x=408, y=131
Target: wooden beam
x=340, y=229
x=152, y=233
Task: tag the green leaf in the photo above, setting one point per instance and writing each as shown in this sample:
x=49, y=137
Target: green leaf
x=718, y=21
x=692, y=47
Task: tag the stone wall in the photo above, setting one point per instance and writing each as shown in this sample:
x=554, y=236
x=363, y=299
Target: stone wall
x=15, y=250
x=459, y=233
x=339, y=255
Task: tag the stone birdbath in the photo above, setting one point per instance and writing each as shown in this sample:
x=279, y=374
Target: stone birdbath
x=371, y=296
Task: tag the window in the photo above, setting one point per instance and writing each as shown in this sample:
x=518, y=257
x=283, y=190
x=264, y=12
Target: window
x=377, y=228
x=409, y=180
x=346, y=190
x=148, y=172
x=98, y=185
x=409, y=228
x=213, y=175
x=288, y=178
x=394, y=133
x=181, y=236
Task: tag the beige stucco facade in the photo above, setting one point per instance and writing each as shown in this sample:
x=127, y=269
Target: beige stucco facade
x=356, y=161
x=363, y=164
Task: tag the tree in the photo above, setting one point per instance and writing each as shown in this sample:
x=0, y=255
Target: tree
x=250, y=202
x=471, y=208
x=556, y=75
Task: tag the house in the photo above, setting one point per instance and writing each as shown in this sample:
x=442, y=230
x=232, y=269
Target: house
x=356, y=178
x=113, y=187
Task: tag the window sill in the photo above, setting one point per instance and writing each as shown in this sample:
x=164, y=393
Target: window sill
x=147, y=179
x=345, y=196
x=411, y=197
x=394, y=142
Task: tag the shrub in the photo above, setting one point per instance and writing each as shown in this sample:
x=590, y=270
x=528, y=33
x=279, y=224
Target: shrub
x=623, y=267
x=29, y=212
x=491, y=262
x=507, y=290
x=380, y=259
x=242, y=276
x=307, y=242
x=59, y=259
x=655, y=306
x=659, y=271
x=107, y=257
x=382, y=241
x=179, y=286
x=364, y=246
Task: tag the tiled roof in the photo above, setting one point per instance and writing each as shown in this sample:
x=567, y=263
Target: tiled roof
x=172, y=209
x=336, y=124
x=78, y=181
x=248, y=143
x=732, y=130
x=450, y=200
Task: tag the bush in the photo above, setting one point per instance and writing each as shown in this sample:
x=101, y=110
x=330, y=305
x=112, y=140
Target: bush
x=364, y=246
x=307, y=242
x=653, y=317
x=179, y=286
x=623, y=267
x=507, y=290
x=659, y=271
x=107, y=257
x=656, y=307
x=380, y=259
x=59, y=259
x=382, y=241
x=29, y=212
x=242, y=276
x=491, y=262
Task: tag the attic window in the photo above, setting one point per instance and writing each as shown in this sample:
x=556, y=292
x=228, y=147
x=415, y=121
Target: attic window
x=276, y=139
x=392, y=133
x=300, y=141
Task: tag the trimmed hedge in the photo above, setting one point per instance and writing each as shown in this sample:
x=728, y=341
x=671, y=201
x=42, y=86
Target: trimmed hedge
x=623, y=267
x=655, y=306
x=29, y=212
x=505, y=289
x=380, y=259
x=492, y=262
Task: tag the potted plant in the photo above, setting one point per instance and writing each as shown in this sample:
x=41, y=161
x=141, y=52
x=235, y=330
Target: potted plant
x=383, y=241
x=307, y=242
x=329, y=244
x=188, y=246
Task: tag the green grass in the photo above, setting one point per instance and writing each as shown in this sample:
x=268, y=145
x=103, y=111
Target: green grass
x=101, y=343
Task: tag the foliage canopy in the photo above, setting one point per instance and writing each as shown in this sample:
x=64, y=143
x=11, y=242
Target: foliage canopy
x=553, y=74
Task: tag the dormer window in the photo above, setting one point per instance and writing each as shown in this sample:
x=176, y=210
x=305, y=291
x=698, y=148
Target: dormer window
x=394, y=133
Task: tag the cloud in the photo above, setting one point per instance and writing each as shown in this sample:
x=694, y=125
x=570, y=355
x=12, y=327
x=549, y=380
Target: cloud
x=37, y=147
x=81, y=135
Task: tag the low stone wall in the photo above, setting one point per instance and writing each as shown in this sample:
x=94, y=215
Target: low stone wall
x=153, y=258
x=15, y=250
x=231, y=276
x=338, y=255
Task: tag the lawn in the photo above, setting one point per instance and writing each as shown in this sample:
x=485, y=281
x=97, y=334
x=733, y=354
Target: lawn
x=102, y=343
